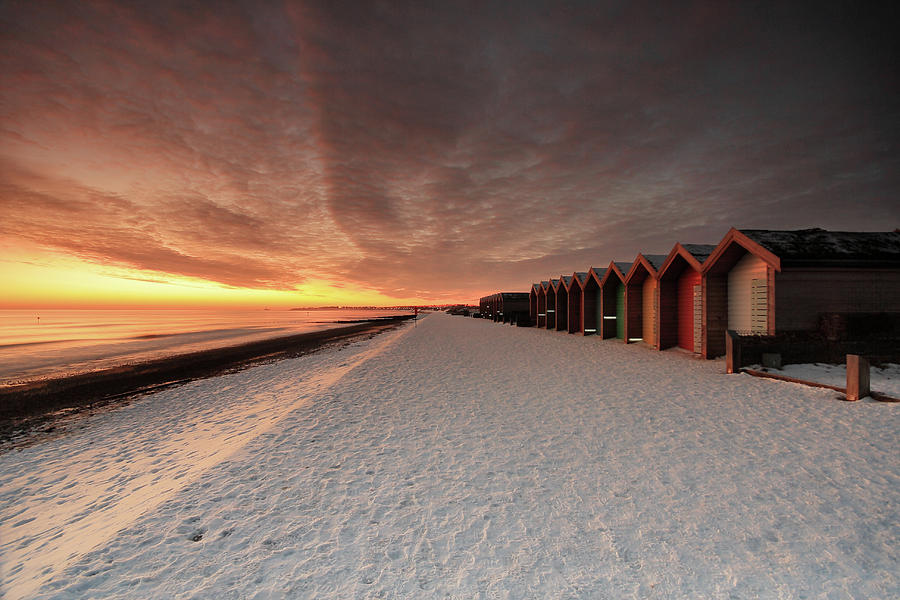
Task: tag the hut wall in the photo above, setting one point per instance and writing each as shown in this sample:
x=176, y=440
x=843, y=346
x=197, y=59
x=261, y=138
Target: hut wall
x=576, y=317
x=715, y=314
x=608, y=299
x=532, y=306
x=550, y=321
x=562, y=308
x=667, y=317
x=633, y=312
x=648, y=311
x=686, y=310
x=541, y=309
x=590, y=308
x=747, y=286
x=802, y=295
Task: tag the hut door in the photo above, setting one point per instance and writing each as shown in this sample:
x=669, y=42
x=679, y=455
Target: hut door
x=698, y=318
x=620, y=312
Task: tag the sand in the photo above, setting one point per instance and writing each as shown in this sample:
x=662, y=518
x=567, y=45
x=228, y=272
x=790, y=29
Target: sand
x=460, y=458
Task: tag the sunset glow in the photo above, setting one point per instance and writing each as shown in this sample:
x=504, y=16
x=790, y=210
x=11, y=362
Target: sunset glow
x=304, y=153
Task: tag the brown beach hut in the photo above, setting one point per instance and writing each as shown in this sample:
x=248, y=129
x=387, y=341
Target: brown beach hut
x=562, y=302
x=640, y=298
x=767, y=282
x=612, y=300
x=592, y=317
x=513, y=307
x=533, y=303
x=550, y=320
x=485, y=306
x=680, y=297
x=542, y=304
x=576, y=302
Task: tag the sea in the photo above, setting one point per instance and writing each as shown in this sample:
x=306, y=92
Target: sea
x=37, y=345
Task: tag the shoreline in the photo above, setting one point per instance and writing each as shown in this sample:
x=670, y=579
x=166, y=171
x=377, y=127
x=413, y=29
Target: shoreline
x=28, y=404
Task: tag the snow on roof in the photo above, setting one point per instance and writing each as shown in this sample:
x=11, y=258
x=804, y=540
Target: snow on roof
x=699, y=251
x=818, y=244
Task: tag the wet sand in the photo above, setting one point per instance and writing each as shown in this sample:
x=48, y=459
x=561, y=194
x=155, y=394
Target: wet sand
x=30, y=404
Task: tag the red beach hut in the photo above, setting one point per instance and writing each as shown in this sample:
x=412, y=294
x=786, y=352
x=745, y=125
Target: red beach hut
x=680, y=294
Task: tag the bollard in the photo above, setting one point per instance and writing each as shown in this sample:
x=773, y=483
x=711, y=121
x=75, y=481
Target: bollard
x=857, y=377
x=732, y=352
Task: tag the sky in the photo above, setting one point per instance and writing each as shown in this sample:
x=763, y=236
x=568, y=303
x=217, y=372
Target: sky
x=304, y=153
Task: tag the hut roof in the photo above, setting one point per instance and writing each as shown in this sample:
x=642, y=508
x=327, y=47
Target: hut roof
x=699, y=251
x=655, y=260
x=581, y=277
x=645, y=265
x=808, y=247
x=818, y=244
x=566, y=281
x=692, y=255
x=618, y=267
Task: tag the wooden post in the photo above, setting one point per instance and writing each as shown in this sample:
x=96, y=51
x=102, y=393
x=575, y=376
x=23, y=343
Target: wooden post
x=857, y=377
x=732, y=352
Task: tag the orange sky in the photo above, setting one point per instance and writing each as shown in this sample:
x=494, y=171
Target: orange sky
x=379, y=154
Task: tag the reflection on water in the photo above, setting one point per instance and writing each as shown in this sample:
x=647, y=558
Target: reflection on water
x=35, y=345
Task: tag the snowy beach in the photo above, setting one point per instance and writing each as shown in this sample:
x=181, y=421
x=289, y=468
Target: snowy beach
x=458, y=458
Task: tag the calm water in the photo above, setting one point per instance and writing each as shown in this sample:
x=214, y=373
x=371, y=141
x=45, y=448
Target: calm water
x=50, y=343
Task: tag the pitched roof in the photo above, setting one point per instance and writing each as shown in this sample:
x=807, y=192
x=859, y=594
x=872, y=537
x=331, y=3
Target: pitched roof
x=818, y=244
x=624, y=267
x=699, y=251
x=581, y=276
x=655, y=260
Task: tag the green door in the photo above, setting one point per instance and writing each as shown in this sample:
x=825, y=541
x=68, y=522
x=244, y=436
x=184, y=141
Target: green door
x=620, y=312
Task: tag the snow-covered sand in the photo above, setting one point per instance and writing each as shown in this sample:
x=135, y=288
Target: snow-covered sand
x=884, y=379
x=465, y=459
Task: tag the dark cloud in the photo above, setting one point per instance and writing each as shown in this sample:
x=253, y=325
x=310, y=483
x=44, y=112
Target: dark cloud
x=438, y=151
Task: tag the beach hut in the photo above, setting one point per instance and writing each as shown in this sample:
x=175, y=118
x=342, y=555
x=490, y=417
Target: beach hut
x=550, y=321
x=512, y=306
x=533, y=303
x=590, y=303
x=562, y=302
x=680, y=297
x=767, y=282
x=542, y=304
x=576, y=305
x=612, y=300
x=640, y=298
